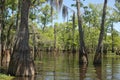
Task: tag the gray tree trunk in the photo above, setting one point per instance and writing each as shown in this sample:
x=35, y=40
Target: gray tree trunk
x=82, y=53
x=2, y=27
x=97, y=57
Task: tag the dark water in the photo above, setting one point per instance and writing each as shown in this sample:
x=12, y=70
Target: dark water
x=64, y=66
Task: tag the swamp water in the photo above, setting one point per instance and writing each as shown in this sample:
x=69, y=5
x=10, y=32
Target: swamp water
x=64, y=66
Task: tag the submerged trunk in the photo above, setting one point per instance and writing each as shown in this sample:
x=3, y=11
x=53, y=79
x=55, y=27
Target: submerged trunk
x=97, y=57
x=21, y=63
x=82, y=53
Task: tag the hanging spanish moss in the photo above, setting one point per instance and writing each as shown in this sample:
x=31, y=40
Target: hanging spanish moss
x=60, y=4
x=64, y=12
x=56, y=3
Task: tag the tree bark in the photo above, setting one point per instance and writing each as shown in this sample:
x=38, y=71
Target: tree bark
x=2, y=26
x=97, y=57
x=73, y=32
x=21, y=63
x=17, y=18
x=55, y=37
x=8, y=41
x=16, y=24
x=82, y=53
x=112, y=38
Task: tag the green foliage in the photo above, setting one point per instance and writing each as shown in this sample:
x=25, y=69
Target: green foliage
x=117, y=11
x=5, y=77
x=40, y=17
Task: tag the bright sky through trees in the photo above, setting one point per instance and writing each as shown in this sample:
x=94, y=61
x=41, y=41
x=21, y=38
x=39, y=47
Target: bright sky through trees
x=86, y=2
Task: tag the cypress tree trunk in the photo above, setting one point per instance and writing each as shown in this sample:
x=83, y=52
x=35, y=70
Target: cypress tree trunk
x=2, y=27
x=97, y=57
x=82, y=53
x=21, y=63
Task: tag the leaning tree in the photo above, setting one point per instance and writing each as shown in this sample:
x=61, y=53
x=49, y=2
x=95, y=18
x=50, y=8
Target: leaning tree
x=97, y=57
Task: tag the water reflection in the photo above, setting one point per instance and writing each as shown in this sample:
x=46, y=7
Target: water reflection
x=98, y=71
x=112, y=69
x=64, y=66
x=83, y=70
x=24, y=78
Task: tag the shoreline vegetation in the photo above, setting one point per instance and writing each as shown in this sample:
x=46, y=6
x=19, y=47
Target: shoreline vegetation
x=5, y=77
